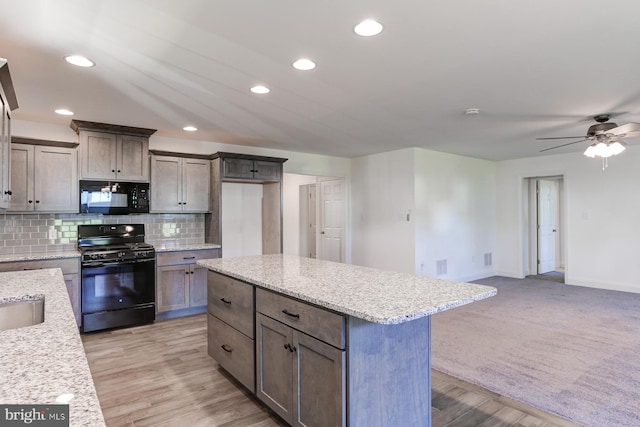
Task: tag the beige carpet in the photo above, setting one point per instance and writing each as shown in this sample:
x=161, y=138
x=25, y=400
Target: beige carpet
x=568, y=350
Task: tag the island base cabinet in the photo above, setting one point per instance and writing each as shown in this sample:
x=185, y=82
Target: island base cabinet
x=301, y=378
x=233, y=351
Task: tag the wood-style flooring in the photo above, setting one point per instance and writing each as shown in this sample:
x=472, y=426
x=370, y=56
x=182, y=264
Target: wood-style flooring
x=161, y=375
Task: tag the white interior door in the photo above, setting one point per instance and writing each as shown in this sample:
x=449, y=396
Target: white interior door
x=546, y=192
x=331, y=220
x=313, y=227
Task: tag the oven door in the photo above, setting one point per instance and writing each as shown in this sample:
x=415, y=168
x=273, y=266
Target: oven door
x=117, y=286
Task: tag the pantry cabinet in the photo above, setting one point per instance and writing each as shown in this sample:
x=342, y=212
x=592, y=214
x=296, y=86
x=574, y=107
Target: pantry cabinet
x=248, y=169
x=113, y=152
x=180, y=282
x=180, y=183
x=44, y=177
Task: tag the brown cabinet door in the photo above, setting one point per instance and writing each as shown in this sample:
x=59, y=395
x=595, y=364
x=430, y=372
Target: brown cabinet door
x=197, y=286
x=237, y=168
x=98, y=155
x=274, y=362
x=172, y=287
x=268, y=171
x=132, y=158
x=319, y=375
x=166, y=184
x=56, y=179
x=22, y=178
x=196, y=181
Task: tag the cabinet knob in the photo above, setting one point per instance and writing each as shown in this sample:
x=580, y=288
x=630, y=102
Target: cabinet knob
x=186, y=272
x=118, y=170
x=113, y=170
x=30, y=201
x=37, y=201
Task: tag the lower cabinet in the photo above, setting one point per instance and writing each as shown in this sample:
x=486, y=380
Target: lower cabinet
x=70, y=269
x=301, y=378
x=180, y=282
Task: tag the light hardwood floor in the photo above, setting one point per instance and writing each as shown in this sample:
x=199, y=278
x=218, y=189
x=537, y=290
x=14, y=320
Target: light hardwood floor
x=161, y=375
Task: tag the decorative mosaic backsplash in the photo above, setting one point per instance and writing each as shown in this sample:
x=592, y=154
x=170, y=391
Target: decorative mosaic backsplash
x=27, y=233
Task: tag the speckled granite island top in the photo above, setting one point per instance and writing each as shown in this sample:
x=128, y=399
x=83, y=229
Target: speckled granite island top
x=370, y=294
x=40, y=363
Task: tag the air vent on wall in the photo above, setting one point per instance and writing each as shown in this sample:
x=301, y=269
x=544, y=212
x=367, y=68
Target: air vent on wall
x=488, y=259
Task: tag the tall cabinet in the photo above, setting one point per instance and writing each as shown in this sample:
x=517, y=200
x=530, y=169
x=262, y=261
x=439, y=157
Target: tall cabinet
x=248, y=169
x=8, y=102
x=113, y=152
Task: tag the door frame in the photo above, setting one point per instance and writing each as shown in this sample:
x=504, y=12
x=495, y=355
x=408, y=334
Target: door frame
x=530, y=246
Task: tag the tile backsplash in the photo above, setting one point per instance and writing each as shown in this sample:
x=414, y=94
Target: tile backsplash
x=27, y=233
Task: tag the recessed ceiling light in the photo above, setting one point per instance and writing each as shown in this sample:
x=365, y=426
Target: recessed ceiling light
x=64, y=112
x=368, y=28
x=79, y=60
x=304, y=64
x=260, y=89
x=190, y=128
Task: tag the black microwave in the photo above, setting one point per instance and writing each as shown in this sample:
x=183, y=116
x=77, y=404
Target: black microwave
x=114, y=198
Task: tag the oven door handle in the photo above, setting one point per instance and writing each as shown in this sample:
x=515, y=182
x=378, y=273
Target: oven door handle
x=115, y=263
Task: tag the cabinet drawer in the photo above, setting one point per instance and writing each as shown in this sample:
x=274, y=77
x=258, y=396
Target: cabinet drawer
x=231, y=301
x=317, y=322
x=68, y=265
x=185, y=257
x=232, y=350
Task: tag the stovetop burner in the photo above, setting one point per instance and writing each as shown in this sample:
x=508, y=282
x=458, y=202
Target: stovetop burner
x=113, y=243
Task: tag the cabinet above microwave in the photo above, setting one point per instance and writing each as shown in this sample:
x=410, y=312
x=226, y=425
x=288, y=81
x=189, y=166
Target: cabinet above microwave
x=113, y=152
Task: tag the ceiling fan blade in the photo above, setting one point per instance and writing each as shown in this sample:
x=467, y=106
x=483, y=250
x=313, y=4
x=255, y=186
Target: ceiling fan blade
x=561, y=137
x=629, y=130
x=563, y=145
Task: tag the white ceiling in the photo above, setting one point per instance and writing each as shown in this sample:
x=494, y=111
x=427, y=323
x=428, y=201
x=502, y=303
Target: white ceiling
x=534, y=69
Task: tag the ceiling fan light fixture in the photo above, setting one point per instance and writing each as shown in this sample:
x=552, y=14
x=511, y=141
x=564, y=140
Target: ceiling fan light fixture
x=616, y=147
x=590, y=151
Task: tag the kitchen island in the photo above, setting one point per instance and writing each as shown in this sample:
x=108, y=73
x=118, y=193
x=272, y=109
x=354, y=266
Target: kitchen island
x=332, y=344
x=45, y=363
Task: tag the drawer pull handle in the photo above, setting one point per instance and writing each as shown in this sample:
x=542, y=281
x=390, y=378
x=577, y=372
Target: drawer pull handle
x=226, y=348
x=290, y=347
x=188, y=257
x=297, y=316
x=226, y=301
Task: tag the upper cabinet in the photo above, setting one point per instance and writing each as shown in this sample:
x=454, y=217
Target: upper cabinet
x=180, y=182
x=8, y=102
x=247, y=169
x=112, y=152
x=44, y=177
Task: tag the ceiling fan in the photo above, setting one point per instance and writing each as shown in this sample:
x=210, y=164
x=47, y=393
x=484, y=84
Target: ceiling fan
x=606, y=137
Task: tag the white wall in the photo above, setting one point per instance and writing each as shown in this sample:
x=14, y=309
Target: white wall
x=602, y=217
x=382, y=193
x=455, y=210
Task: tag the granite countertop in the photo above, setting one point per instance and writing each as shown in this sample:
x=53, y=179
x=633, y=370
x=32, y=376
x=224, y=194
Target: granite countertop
x=40, y=363
x=374, y=295
x=36, y=256
x=196, y=246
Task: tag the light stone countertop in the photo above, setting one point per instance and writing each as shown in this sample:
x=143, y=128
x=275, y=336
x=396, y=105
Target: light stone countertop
x=41, y=362
x=370, y=294
x=37, y=256
x=191, y=247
